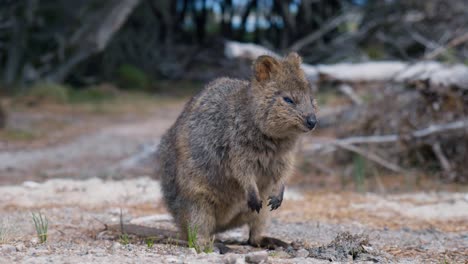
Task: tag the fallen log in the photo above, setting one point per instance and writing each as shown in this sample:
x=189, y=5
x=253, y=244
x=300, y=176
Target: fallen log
x=431, y=72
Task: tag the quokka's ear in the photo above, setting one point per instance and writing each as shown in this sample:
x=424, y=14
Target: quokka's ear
x=264, y=67
x=294, y=59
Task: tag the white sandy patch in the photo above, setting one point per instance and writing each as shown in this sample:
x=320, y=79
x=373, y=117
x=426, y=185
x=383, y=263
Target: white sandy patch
x=87, y=193
x=423, y=206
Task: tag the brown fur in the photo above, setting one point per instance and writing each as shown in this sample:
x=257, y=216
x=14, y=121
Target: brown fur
x=232, y=147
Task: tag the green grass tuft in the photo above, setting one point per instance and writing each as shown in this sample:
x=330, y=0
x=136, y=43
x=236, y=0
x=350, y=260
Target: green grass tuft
x=149, y=242
x=192, y=233
x=124, y=239
x=192, y=239
x=209, y=246
x=42, y=225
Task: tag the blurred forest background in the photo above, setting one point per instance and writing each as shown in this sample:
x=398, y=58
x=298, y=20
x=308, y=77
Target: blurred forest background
x=90, y=41
x=63, y=51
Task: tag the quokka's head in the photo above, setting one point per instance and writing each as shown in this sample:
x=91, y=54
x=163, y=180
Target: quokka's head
x=282, y=97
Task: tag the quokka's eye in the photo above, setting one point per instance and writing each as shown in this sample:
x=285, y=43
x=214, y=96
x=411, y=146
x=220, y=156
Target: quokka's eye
x=288, y=100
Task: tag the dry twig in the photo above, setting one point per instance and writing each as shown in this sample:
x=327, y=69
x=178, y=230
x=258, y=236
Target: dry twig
x=348, y=91
x=453, y=43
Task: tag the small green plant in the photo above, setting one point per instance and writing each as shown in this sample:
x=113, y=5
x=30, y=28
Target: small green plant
x=5, y=232
x=131, y=77
x=445, y=261
x=192, y=237
x=94, y=94
x=209, y=246
x=375, y=52
x=149, y=242
x=359, y=165
x=124, y=239
x=47, y=92
x=42, y=225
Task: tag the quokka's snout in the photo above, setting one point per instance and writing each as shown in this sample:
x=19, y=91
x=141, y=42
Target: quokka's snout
x=311, y=121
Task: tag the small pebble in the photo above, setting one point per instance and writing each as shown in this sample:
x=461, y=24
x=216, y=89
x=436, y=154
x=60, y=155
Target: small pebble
x=302, y=253
x=171, y=259
x=234, y=259
x=116, y=245
x=257, y=257
x=20, y=247
x=7, y=249
x=34, y=240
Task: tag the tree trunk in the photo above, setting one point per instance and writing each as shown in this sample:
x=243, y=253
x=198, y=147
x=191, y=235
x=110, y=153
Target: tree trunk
x=15, y=52
x=94, y=36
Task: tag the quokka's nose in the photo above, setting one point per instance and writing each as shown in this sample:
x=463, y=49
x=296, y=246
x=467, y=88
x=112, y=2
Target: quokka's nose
x=311, y=121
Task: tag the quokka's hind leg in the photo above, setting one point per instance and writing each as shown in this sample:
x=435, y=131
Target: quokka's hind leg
x=197, y=224
x=256, y=238
x=256, y=223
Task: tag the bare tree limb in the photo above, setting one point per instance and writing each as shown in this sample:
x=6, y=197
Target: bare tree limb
x=316, y=35
x=453, y=43
x=94, y=36
x=444, y=162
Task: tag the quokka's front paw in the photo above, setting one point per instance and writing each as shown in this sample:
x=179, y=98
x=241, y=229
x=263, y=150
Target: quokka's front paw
x=254, y=203
x=275, y=202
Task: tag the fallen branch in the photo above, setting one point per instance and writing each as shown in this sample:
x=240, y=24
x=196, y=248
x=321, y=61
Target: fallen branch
x=370, y=156
x=142, y=231
x=430, y=130
x=444, y=162
x=434, y=73
x=348, y=91
x=348, y=143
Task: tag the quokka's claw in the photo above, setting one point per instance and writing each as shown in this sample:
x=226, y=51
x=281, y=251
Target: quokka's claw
x=254, y=203
x=274, y=202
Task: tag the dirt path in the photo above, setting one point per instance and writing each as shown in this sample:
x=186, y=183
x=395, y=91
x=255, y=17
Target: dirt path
x=83, y=184
x=102, y=151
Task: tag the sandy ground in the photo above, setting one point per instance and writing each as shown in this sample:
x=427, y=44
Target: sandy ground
x=84, y=183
